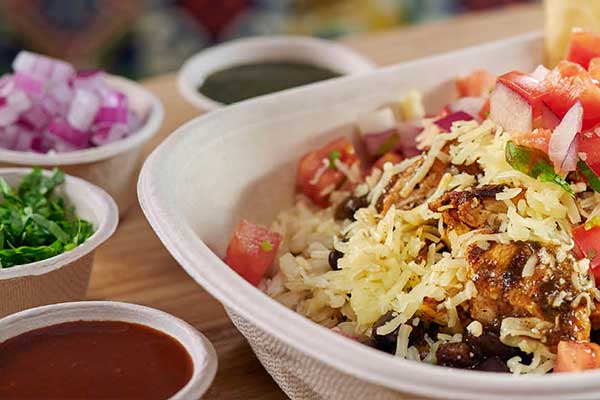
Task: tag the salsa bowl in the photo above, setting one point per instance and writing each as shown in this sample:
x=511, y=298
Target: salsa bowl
x=196, y=186
x=66, y=276
x=202, y=354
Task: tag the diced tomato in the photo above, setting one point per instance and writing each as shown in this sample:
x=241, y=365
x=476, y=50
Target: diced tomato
x=537, y=139
x=583, y=46
x=589, y=143
x=588, y=244
x=252, y=250
x=575, y=357
x=567, y=83
x=527, y=87
x=316, y=173
x=477, y=84
x=390, y=156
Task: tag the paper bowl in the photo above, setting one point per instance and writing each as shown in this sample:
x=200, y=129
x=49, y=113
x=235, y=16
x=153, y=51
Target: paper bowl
x=66, y=276
x=114, y=166
x=201, y=351
x=320, y=52
x=197, y=185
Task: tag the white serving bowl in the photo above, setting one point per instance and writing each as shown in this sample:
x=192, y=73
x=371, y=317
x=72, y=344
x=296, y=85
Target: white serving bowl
x=114, y=166
x=320, y=52
x=201, y=351
x=64, y=277
x=239, y=162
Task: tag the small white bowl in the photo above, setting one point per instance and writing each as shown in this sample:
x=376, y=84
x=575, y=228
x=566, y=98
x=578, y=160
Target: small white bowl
x=64, y=277
x=201, y=351
x=319, y=52
x=114, y=166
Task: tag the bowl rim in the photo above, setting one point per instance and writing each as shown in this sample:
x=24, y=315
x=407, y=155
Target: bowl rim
x=293, y=329
x=109, y=220
x=201, y=351
x=150, y=127
x=187, y=75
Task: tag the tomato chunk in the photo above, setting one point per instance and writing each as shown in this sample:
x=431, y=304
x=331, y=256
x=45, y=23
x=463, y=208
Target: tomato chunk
x=567, y=83
x=589, y=143
x=594, y=68
x=390, y=156
x=588, y=244
x=317, y=174
x=583, y=46
x=252, y=250
x=477, y=84
x=574, y=357
x=527, y=87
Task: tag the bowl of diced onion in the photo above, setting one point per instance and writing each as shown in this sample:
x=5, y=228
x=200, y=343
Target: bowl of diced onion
x=89, y=123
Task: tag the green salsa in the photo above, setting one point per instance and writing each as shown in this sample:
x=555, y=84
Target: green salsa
x=245, y=81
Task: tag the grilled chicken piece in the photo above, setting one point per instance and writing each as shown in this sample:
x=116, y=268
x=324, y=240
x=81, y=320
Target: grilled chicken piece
x=430, y=312
x=391, y=193
x=504, y=292
x=476, y=208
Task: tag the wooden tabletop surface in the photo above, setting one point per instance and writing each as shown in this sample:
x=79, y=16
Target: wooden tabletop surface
x=133, y=266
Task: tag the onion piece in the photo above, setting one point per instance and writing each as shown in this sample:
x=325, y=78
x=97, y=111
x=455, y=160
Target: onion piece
x=63, y=132
x=509, y=110
x=548, y=120
x=445, y=123
x=377, y=144
x=408, y=132
x=562, y=148
x=470, y=105
x=378, y=121
x=83, y=110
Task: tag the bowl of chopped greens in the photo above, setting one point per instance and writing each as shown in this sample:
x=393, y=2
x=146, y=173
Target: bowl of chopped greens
x=50, y=226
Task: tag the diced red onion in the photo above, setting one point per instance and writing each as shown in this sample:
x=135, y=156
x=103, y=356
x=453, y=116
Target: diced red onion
x=509, y=110
x=42, y=67
x=470, y=105
x=549, y=119
x=62, y=130
x=445, y=123
x=16, y=102
x=375, y=141
x=35, y=117
x=562, y=148
x=83, y=110
x=408, y=132
x=29, y=85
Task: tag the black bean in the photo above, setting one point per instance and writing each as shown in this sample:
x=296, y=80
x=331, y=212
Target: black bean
x=333, y=258
x=458, y=355
x=492, y=364
x=387, y=342
x=595, y=337
x=347, y=208
x=489, y=344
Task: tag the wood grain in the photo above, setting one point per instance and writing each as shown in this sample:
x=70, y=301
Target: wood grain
x=134, y=267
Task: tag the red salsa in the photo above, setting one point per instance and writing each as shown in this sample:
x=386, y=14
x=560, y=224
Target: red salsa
x=93, y=360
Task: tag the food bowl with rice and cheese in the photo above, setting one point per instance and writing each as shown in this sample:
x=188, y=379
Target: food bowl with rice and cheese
x=409, y=235
x=88, y=123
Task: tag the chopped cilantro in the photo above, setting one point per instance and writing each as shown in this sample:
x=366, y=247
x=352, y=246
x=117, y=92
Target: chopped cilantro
x=388, y=145
x=590, y=175
x=266, y=246
x=334, y=155
x=534, y=163
x=591, y=254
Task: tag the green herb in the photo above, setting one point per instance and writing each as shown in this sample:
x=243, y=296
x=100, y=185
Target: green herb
x=592, y=222
x=266, y=246
x=388, y=145
x=591, y=254
x=334, y=155
x=590, y=175
x=534, y=163
x=36, y=223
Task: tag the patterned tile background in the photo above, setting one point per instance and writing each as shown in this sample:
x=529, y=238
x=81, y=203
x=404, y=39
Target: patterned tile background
x=140, y=38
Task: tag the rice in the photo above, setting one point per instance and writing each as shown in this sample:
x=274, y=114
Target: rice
x=406, y=263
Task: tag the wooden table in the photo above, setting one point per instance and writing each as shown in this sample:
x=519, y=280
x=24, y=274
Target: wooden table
x=134, y=267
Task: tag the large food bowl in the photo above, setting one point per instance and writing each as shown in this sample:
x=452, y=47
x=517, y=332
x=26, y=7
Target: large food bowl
x=240, y=162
